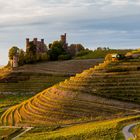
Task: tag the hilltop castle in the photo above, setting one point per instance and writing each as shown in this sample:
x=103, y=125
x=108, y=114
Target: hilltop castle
x=40, y=45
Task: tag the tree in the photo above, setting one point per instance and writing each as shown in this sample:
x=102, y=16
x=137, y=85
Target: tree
x=31, y=55
x=13, y=51
x=21, y=59
x=56, y=50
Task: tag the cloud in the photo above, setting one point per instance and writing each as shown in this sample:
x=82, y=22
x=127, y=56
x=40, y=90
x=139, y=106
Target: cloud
x=112, y=23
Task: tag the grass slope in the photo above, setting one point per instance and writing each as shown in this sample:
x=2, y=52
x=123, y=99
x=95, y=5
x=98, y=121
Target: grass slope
x=74, y=99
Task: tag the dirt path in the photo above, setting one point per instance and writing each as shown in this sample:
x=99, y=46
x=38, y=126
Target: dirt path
x=20, y=134
x=126, y=131
x=26, y=130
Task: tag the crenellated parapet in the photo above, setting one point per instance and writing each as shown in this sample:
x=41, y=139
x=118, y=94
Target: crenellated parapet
x=40, y=45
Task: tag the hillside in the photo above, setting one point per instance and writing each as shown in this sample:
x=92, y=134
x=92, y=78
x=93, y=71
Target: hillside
x=68, y=67
x=100, y=130
x=80, y=98
x=37, y=77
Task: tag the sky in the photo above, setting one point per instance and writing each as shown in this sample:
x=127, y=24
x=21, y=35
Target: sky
x=93, y=23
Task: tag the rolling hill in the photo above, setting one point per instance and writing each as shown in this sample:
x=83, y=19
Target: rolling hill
x=87, y=96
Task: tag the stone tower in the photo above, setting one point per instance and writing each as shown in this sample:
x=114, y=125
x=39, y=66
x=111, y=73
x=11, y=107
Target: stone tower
x=15, y=61
x=63, y=39
x=27, y=43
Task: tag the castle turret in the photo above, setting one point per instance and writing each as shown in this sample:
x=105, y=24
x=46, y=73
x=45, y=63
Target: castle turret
x=27, y=43
x=35, y=41
x=64, y=38
x=15, y=61
x=42, y=41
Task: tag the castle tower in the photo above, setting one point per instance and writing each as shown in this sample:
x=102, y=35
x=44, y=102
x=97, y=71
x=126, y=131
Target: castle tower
x=35, y=41
x=64, y=38
x=15, y=61
x=42, y=41
x=27, y=43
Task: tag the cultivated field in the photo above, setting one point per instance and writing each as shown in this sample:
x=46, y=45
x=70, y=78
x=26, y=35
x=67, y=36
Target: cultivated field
x=69, y=67
x=105, y=130
x=104, y=92
x=21, y=84
x=74, y=99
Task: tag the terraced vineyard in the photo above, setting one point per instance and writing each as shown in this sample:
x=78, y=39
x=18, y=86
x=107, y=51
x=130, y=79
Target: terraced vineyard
x=105, y=130
x=37, y=77
x=74, y=99
x=29, y=83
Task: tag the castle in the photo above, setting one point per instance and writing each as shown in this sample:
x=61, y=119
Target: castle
x=40, y=45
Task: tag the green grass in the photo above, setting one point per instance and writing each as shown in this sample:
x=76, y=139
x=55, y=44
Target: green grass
x=105, y=130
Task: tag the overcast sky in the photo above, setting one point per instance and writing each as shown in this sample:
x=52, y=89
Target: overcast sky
x=94, y=23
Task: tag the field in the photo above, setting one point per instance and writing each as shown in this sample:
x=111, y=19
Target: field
x=69, y=67
x=108, y=91
x=70, y=101
x=22, y=83
x=37, y=77
x=105, y=130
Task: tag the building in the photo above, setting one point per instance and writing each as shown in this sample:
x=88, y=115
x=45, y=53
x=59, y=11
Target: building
x=40, y=45
x=63, y=39
x=73, y=49
x=14, y=61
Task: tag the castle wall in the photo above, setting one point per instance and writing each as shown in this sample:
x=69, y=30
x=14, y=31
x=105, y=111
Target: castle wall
x=40, y=45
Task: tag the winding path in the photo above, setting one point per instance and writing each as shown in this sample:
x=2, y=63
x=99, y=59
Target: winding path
x=126, y=131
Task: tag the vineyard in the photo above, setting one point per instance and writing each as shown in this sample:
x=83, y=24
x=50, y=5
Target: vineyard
x=37, y=77
x=76, y=100
x=105, y=130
